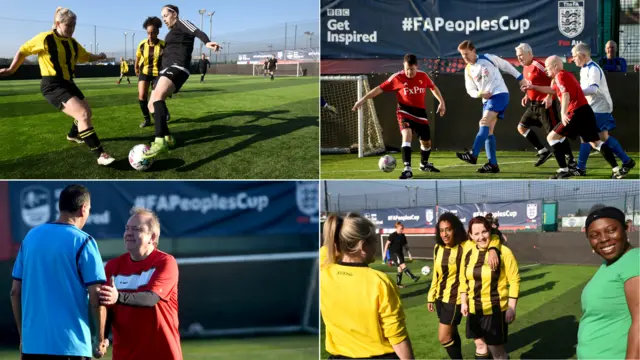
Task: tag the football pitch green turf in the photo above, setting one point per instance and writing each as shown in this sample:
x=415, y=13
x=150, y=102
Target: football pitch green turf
x=237, y=127
x=547, y=314
x=295, y=347
x=513, y=165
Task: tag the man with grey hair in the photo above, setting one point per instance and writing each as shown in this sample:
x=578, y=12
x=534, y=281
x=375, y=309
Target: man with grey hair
x=542, y=109
x=595, y=88
x=142, y=296
x=577, y=116
x=611, y=62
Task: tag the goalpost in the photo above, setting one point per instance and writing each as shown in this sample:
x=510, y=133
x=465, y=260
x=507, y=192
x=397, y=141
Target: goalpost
x=347, y=131
x=282, y=70
x=384, y=237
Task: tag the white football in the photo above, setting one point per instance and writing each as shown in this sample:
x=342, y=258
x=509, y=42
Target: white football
x=426, y=270
x=387, y=163
x=136, y=160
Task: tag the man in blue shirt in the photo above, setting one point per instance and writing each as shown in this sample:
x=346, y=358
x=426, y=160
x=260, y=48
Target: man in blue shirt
x=610, y=62
x=56, y=278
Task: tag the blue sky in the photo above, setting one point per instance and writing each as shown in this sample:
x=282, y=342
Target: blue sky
x=114, y=16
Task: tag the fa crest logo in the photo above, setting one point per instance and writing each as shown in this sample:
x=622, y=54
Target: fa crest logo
x=532, y=211
x=35, y=205
x=429, y=215
x=571, y=18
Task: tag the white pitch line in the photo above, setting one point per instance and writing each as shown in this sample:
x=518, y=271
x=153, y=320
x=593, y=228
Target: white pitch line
x=440, y=167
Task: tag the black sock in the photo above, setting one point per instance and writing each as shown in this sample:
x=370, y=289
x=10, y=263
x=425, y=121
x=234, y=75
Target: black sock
x=406, y=155
x=202, y=78
x=119, y=80
x=533, y=139
x=568, y=151
x=73, y=132
x=91, y=139
x=608, y=155
x=144, y=106
x=424, y=155
x=160, y=118
x=454, y=347
x=399, y=278
x=559, y=152
x=483, y=356
x=408, y=272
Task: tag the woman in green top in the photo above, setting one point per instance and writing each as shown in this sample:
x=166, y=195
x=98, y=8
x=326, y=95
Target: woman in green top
x=610, y=323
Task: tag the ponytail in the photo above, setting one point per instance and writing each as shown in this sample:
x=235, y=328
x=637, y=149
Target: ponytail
x=331, y=233
x=62, y=15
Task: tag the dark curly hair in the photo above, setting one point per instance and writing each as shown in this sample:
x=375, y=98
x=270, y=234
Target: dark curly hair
x=152, y=20
x=459, y=233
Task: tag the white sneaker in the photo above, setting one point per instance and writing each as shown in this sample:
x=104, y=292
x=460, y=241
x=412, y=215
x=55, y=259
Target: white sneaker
x=105, y=159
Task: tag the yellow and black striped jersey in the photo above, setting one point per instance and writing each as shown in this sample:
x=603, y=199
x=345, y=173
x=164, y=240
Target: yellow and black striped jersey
x=487, y=290
x=361, y=310
x=150, y=57
x=445, y=281
x=57, y=56
x=124, y=67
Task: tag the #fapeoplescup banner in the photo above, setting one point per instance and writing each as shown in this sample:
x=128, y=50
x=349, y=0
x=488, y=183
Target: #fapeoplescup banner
x=194, y=209
x=515, y=215
x=366, y=29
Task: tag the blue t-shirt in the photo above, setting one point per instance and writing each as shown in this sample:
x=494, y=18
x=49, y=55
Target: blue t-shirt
x=56, y=263
x=616, y=64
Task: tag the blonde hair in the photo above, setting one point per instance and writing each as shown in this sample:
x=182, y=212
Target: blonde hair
x=342, y=235
x=63, y=16
x=154, y=223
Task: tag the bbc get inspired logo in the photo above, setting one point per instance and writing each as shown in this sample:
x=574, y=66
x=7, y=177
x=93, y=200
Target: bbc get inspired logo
x=341, y=31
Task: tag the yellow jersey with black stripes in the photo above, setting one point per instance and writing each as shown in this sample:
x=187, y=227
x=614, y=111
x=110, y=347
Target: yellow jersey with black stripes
x=150, y=57
x=57, y=56
x=489, y=291
x=124, y=67
x=447, y=262
x=361, y=310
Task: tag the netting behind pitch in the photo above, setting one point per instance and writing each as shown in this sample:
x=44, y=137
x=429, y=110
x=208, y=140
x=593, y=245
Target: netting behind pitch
x=339, y=132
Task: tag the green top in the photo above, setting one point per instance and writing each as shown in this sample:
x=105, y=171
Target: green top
x=606, y=319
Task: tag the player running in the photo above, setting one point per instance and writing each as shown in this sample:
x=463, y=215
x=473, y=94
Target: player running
x=594, y=86
x=542, y=109
x=483, y=80
x=410, y=86
x=272, y=65
x=58, y=53
x=175, y=63
x=577, y=117
x=148, y=61
x=203, y=65
x=124, y=70
x=396, y=245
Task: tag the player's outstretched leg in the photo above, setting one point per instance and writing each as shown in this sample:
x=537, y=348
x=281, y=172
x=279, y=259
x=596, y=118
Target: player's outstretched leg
x=128, y=81
x=472, y=156
x=543, y=154
x=163, y=141
x=407, y=172
x=616, y=148
x=80, y=111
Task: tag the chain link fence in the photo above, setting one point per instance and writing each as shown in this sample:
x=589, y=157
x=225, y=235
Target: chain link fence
x=629, y=32
x=573, y=197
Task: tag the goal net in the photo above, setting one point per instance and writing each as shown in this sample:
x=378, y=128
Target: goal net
x=282, y=70
x=347, y=131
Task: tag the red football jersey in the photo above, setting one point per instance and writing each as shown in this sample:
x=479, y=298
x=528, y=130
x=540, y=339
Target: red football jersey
x=410, y=93
x=535, y=74
x=567, y=83
x=146, y=332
